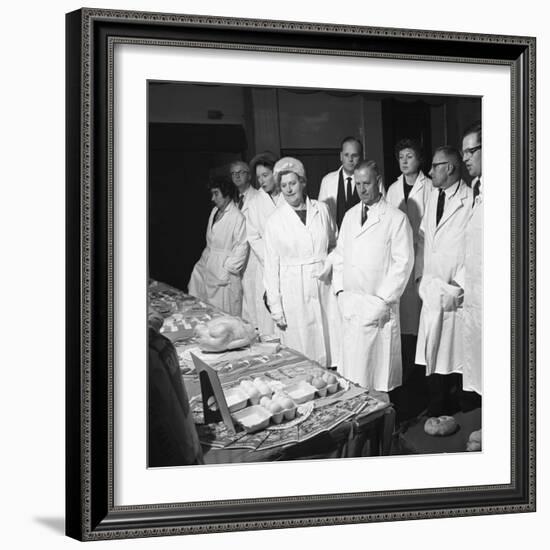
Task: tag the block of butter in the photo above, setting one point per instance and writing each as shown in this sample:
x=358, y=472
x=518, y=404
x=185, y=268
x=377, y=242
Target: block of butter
x=265, y=348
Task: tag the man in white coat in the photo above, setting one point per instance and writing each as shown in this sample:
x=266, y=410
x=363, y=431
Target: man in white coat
x=240, y=175
x=371, y=266
x=337, y=189
x=440, y=256
x=473, y=274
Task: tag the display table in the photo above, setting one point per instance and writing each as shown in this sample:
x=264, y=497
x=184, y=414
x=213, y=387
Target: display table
x=349, y=423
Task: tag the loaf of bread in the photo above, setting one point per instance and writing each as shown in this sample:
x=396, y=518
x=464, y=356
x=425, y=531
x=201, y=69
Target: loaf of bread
x=224, y=333
x=441, y=425
x=474, y=441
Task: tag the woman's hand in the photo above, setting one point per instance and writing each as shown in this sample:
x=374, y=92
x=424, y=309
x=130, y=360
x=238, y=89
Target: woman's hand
x=326, y=274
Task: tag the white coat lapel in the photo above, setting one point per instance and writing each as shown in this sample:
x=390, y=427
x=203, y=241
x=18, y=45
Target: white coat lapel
x=373, y=216
x=456, y=202
x=418, y=185
x=293, y=219
x=312, y=211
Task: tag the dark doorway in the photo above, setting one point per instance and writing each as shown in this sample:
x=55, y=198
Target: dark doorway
x=318, y=163
x=182, y=158
x=404, y=119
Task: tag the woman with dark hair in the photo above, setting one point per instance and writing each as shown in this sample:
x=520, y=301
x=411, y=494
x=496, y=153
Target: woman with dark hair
x=261, y=207
x=298, y=237
x=410, y=193
x=216, y=277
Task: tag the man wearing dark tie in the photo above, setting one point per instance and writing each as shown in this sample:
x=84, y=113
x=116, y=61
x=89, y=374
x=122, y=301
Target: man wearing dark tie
x=372, y=263
x=338, y=187
x=440, y=256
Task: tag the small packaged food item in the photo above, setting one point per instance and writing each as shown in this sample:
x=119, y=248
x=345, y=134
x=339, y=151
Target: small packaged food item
x=253, y=419
x=265, y=402
x=320, y=386
x=236, y=399
x=277, y=412
x=301, y=392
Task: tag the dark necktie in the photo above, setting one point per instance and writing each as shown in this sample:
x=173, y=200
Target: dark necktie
x=240, y=203
x=440, y=206
x=476, y=191
x=364, y=214
x=349, y=191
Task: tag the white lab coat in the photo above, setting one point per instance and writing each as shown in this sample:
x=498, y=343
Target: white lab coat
x=473, y=299
x=257, y=213
x=249, y=309
x=295, y=256
x=439, y=258
x=414, y=207
x=372, y=264
x=216, y=277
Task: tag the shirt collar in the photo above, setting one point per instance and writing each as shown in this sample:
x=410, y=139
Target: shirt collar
x=246, y=192
x=373, y=207
x=345, y=176
x=452, y=189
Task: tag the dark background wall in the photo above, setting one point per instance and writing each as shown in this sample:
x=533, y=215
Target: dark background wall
x=196, y=130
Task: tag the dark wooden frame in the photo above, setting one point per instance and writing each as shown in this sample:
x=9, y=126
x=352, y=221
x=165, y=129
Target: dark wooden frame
x=91, y=35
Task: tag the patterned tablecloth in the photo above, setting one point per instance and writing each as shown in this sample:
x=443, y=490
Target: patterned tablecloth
x=338, y=414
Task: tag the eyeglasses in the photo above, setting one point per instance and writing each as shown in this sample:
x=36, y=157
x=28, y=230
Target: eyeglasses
x=239, y=173
x=469, y=152
x=435, y=164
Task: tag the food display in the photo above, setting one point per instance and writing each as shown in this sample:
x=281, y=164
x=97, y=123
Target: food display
x=224, y=333
x=441, y=426
x=275, y=395
x=282, y=401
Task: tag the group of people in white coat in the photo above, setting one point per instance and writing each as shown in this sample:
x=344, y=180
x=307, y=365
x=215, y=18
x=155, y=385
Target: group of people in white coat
x=346, y=278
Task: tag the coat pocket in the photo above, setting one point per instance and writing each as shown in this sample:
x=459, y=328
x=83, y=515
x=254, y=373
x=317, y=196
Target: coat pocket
x=364, y=309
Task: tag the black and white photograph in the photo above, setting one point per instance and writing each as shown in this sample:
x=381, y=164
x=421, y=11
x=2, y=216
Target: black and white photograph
x=315, y=273
x=292, y=301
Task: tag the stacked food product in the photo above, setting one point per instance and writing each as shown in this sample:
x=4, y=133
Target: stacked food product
x=257, y=403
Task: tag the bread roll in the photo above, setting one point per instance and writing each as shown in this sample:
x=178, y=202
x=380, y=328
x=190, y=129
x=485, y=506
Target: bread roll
x=442, y=425
x=474, y=441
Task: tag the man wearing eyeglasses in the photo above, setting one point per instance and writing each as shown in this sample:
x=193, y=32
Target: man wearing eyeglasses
x=440, y=256
x=472, y=273
x=240, y=175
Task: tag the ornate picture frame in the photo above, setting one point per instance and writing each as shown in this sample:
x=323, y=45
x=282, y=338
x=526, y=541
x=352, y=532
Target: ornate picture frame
x=91, y=511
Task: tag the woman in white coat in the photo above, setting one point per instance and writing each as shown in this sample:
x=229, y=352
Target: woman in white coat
x=410, y=193
x=216, y=277
x=260, y=208
x=298, y=237
x=372, y=264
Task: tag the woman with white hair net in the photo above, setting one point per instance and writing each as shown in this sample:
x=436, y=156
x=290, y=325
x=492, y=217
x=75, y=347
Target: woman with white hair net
x=298, y=237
